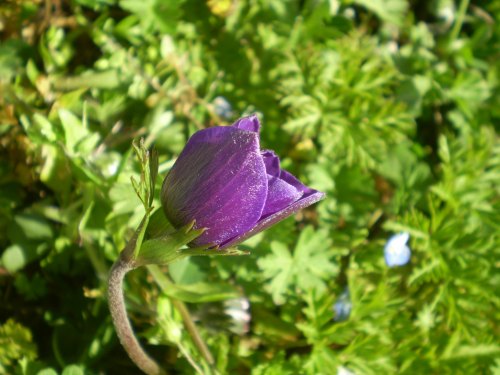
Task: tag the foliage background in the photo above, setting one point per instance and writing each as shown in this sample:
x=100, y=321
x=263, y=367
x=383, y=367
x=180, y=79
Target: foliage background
x=391, y=107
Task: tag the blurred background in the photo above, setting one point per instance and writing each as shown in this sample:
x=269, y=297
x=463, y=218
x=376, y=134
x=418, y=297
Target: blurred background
x=391, y=107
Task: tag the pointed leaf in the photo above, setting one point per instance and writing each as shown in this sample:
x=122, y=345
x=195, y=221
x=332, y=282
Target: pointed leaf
x=165, y=249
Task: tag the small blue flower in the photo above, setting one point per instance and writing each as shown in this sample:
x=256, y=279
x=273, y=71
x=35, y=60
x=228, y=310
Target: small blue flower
x=396, y=252
x=223, y=108
x=343, y=306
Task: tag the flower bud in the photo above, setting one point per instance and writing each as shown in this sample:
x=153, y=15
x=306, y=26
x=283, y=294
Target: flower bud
x=224, y=182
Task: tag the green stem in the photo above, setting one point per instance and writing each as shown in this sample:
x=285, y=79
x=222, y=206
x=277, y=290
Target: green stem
x=193, y=331
x=457, y=26
x=122, y=324
x=164, y=283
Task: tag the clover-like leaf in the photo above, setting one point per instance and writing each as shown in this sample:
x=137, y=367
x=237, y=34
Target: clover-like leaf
x=307, y=268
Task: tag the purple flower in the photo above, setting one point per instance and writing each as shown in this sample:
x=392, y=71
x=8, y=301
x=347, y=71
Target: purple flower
x=228, y=185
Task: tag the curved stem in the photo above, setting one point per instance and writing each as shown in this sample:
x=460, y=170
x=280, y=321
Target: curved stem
x=122, y=324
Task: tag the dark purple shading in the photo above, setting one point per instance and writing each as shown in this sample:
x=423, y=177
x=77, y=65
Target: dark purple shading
x=280, y=192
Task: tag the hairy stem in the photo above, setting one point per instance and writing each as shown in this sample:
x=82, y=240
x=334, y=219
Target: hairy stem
x=122, y=324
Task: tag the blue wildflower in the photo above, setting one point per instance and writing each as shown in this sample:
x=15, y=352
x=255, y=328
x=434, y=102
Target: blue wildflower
x=396, y=252
x=223, y=108
x=343, y=306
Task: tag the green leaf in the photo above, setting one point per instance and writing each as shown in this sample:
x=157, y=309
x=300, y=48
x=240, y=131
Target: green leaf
x=47, y=371
x=30, y=235
x=165, y=249
x=188, y=271
x=308, y=268
x=33, y=227
x=46, y=128
x=391, y=11
x=14, y=258
x=148, y=160
x=206, y=251
x=155, y=14
x=193, y=293
x=134, y=245
x=108, y=79
x=312, y=258
x=17, y=256
x=479, y=350
x=158, y=224
x=73, y=370
x=16, y=342
x=279, y=269
x=78, y=139
x=55, y=172
x=202, y=292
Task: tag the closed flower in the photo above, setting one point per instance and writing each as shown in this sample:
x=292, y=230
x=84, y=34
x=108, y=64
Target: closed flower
x=230, y=187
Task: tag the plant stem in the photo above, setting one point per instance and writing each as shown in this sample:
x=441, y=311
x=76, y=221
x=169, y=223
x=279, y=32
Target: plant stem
x=459, y=20
x=164, y=283
x=122, y=324
x=193, y=331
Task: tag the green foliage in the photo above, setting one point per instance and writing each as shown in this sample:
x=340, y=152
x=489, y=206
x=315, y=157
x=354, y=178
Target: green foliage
x=390, y=107
x=16, y=342
x=308, y=267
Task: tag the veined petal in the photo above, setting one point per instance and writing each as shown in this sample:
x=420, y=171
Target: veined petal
x=272, y=162
x=283, y=188
x=219, y=180
x=294, y=181
x=307, y=199
x=250, y=123
x=280, y=194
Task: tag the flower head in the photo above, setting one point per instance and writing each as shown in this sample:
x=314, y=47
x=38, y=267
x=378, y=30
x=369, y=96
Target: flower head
x=396, y=252
x=230, y=187
x=223, y=108
x=342, y=306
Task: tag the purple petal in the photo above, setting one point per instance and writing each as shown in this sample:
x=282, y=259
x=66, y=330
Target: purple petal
x=280, y=194
x=250, y=123
x=272, y=162
x=307, y=199
x=283, y=191
x=283, y=188
x=219, y=180
x=294, y=181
